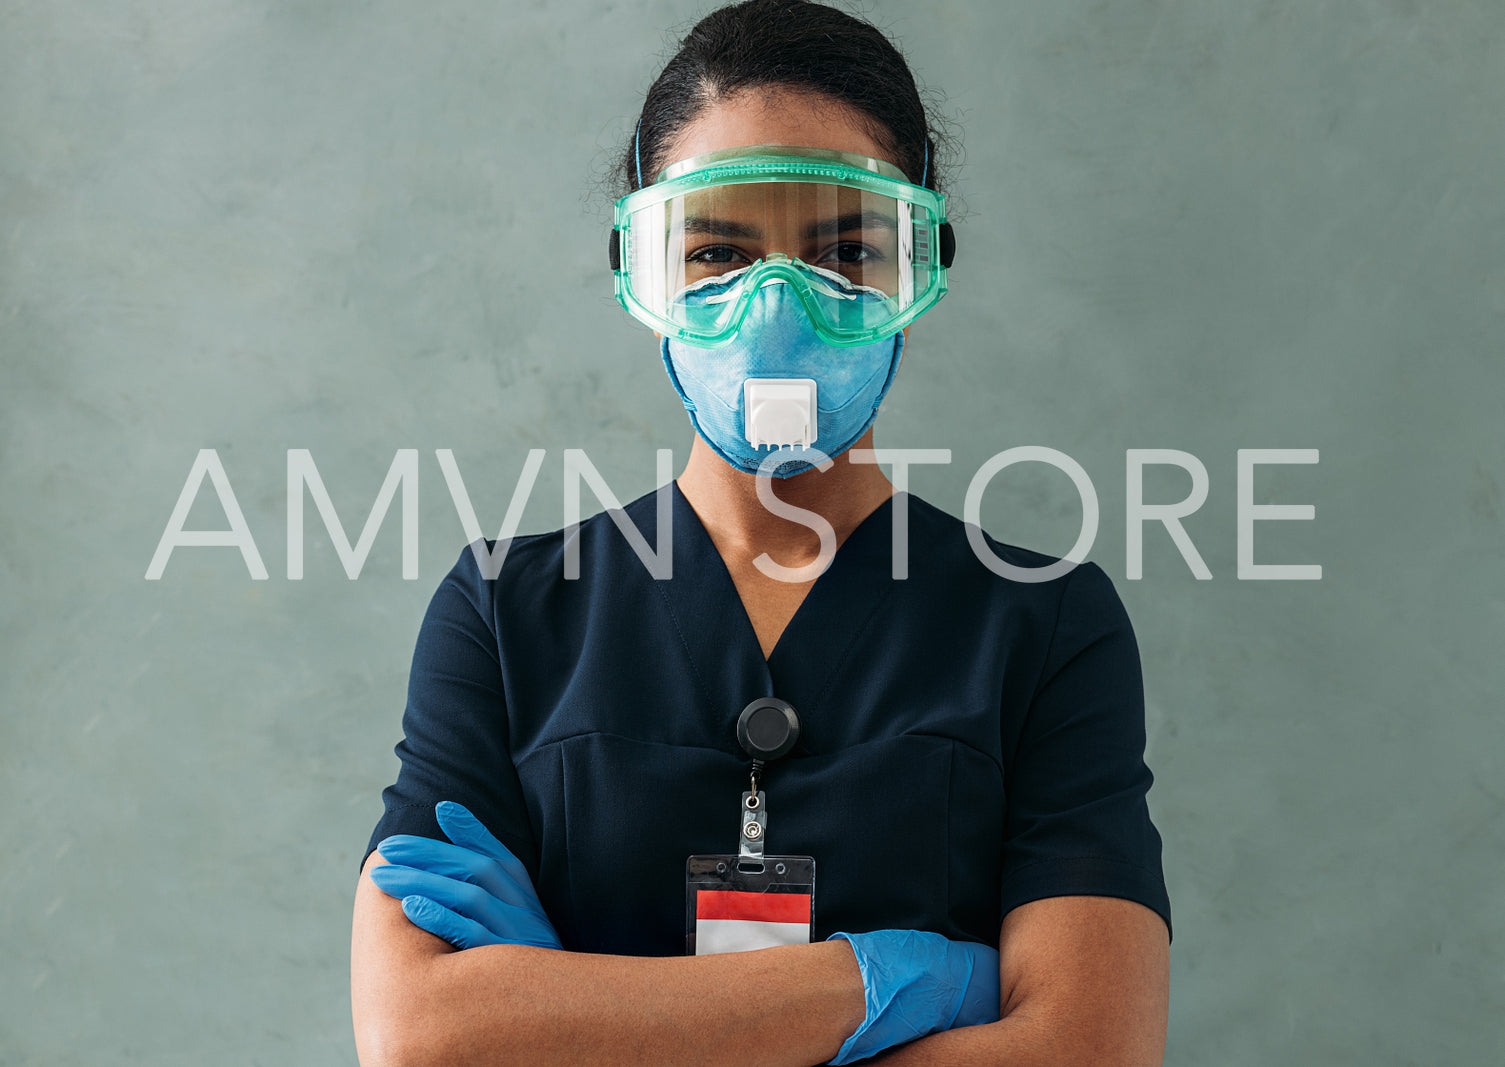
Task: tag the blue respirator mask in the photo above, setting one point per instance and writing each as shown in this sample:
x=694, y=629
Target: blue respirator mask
x=777, y=383
x=781, y=279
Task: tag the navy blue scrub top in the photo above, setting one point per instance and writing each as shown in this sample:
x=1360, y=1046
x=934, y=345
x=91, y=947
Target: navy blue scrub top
x=968, y=743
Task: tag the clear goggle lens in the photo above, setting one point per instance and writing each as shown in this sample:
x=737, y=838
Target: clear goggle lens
x=860, y=246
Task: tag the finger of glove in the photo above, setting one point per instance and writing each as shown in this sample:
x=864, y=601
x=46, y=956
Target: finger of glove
x=441, y=922
x=464, y=829
x=511, y=924
x=460, y=863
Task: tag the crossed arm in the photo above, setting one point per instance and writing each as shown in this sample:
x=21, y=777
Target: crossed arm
x=1085, y=980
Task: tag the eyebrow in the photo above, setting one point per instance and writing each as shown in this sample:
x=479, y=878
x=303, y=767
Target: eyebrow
x=857, y=220
x=714, y=227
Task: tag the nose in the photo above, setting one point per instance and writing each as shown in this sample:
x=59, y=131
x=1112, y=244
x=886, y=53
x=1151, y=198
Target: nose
x=776, y=258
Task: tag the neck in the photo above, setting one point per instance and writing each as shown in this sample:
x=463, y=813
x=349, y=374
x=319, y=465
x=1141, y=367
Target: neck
x=726, y=500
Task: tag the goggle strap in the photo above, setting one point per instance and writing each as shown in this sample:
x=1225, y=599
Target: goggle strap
x=637, y=149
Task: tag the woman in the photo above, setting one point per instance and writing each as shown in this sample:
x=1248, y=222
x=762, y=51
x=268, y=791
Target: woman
x=968, y=768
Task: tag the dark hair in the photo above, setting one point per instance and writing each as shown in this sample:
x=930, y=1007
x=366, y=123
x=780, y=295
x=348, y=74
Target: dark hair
x=765, y=44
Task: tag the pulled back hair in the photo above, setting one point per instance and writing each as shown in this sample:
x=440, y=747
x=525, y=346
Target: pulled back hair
x=765, y=44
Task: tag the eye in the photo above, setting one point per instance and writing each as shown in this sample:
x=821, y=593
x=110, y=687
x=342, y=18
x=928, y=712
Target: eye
x=715, y=254
x=851, y=252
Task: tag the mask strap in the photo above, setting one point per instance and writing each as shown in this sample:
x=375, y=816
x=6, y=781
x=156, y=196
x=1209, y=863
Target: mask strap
x=923, y=177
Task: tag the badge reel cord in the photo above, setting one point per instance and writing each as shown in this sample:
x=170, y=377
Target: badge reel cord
x=767, y=729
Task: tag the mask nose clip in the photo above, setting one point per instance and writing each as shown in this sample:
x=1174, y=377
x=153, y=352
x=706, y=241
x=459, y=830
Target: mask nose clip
x=813, y=279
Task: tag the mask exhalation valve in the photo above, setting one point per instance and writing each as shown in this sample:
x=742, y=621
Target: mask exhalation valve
x=779, y=412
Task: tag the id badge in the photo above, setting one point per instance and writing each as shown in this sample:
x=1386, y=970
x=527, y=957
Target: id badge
x=728, y=909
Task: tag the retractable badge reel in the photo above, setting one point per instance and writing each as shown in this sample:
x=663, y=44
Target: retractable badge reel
x=749, y=899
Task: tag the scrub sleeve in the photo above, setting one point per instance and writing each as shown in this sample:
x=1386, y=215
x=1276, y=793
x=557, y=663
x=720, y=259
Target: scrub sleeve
x=455, y=738
x=1076, y=820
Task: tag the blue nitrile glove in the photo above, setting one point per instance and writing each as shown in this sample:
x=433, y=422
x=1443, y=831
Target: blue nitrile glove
x=915, y=983
x=473, y=892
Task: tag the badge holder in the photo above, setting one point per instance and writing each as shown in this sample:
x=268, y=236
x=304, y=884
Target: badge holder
x=748, y=900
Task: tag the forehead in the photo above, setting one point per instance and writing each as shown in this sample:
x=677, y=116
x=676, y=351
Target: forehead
x=781, y=210
x=776, y=116
x=779, y=198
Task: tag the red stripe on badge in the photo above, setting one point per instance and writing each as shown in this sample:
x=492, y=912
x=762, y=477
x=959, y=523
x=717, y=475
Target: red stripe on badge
x=765, y=907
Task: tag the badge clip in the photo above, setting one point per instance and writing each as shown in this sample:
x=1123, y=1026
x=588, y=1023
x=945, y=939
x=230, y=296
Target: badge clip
x=754, y=829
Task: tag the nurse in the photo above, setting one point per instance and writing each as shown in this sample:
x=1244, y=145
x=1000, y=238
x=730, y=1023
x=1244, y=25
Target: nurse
x=967, y=778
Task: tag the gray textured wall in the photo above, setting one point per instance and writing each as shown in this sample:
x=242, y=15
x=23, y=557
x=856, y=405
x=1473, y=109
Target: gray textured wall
x=1194, y=224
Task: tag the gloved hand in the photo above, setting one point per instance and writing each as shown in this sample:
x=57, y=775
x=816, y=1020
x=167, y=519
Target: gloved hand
x=917, y=983
x=472, y=892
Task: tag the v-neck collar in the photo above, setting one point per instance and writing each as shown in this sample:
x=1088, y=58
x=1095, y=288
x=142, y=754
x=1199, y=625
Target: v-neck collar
x=833, y=617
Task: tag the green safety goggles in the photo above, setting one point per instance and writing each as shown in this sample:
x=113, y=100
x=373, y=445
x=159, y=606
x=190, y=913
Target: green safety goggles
x=865, y=250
